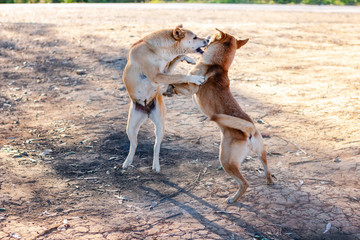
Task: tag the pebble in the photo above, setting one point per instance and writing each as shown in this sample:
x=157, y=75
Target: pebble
x=15, y=235
x=81, y=72
x=47, y=152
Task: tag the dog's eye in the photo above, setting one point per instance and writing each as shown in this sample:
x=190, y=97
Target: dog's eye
x=195, y=37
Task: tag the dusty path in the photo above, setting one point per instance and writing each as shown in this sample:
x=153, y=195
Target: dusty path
x=63, y=112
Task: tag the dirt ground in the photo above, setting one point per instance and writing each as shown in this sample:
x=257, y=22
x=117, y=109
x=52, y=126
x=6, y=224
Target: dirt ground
x=63, y=112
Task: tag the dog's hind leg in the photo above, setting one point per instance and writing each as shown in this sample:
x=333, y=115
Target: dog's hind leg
x=258, y=147
x=136, y=118
x=157, y=116
x=267, y=172
x=231, y=157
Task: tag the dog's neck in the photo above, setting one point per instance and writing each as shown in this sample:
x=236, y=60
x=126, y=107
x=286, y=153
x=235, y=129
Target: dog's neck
x=167, y=53
x=155, y=41
x=168, y=48
x=212, y=58
x=208, y=69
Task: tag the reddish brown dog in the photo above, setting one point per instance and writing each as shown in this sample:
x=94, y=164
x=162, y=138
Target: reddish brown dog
x=239, y=134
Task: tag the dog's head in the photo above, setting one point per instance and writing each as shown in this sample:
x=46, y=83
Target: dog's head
x=221, y=49
x=188, y=42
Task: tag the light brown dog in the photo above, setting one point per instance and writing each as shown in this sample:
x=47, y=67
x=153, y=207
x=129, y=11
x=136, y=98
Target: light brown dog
x=150, y=62
x=214, y=98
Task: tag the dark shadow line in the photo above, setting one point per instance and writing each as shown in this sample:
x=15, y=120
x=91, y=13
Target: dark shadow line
x=239, y=221
x=243, y=224
x=211, y=226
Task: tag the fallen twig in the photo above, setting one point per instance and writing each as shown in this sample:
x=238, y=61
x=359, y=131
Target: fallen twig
x=265, y=115
x=225, y=212
x=356, y=141
x=166, y=218
x=57, y=214
x=302, y=150
x=52, y=229
x=88, y=178
x=320, y=180
x=261, y=120
x=103, y=111
x=303, y=162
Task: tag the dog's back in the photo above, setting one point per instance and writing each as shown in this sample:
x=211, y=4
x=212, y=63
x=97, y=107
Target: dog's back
x=216, y=94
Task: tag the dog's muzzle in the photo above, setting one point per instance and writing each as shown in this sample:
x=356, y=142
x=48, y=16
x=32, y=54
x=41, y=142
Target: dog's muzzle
x=199, y=50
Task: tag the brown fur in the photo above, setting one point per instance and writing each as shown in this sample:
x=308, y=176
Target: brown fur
x=214, y=97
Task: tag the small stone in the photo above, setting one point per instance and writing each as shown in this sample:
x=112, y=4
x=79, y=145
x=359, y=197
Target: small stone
x=33, y=160
x=47, y=152
x=261, y=121
x=59, y=209
x=15, y=235
x=81, y=72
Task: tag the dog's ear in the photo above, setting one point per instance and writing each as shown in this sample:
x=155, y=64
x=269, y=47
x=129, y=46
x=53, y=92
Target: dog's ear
x=241, y=43
x=179, y=26
x=222, y=34
x=178, y=33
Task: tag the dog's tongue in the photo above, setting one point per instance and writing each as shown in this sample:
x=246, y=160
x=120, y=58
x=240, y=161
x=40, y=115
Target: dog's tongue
x=199, y=50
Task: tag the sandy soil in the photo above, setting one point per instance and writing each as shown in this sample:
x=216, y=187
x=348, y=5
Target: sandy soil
x=63, y=118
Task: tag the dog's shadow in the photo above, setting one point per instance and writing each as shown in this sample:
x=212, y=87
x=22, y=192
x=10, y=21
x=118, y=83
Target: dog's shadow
x=193, y=211
x=199, y=209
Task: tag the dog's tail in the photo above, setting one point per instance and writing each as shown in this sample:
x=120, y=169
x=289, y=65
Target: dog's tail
x=234, y=122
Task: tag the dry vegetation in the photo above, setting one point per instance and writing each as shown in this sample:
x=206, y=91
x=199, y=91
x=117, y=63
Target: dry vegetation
x=63, y=117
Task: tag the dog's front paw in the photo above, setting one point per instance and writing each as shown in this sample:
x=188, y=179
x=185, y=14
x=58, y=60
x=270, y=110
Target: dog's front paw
x=189, y=60
x=156, y=168
x=269, y=179
x=270, y=182
x=125, y=165
x=230, y=200
x=198, y=80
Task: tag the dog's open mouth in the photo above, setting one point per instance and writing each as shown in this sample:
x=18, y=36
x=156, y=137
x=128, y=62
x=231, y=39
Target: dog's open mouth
x=199, y=50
